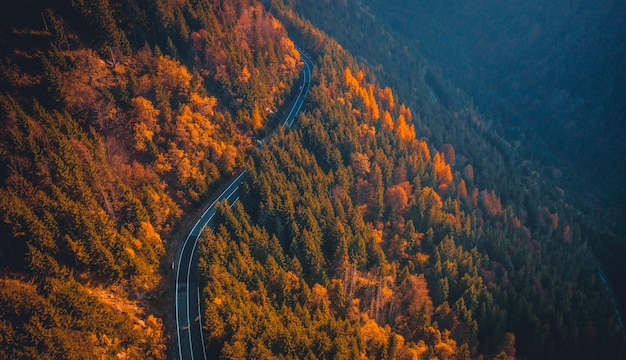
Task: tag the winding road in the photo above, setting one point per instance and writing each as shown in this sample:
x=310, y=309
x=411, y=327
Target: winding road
x=188, y=310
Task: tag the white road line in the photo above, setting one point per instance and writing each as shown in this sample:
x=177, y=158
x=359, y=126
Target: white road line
x=298, y=99
x=195, y=244
x=200, y=319
x=197, y=288
x=223, y=192
x=188, y=276
x=307, y=75
x=193, y=250
x=180, y=257
x=301, y=102
x=180, y=354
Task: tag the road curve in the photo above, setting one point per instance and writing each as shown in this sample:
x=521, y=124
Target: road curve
x=188, y=312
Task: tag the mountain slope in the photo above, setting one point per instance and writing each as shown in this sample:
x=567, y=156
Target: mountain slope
x=424, y=51
x=119, y=117
x=360, y=239
x=392, y=222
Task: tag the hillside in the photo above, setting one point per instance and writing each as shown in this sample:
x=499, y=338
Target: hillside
x=382, y=230
x=393, y=221
x=118, y=119
x=547, y=79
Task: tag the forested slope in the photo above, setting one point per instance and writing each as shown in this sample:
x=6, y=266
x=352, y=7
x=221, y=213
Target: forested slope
x=117, y=119
x=390, y=223
x=359, y=238
x=547, y=79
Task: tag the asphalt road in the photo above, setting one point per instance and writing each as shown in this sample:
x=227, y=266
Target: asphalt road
x=188, y=312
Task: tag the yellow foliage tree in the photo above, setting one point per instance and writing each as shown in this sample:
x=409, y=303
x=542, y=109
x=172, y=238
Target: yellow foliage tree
x=374, y=336
x=372, y=105
x=319, y=298
x=423, y=151
x=143, y=136
x=193, y=128
x=387, y=99
x=365, y=93
x=244, y=75
x=350, y=80
x=431, y=198
x=406, y=112
x=387, y=121
x=174, y=76
x=144, y=116
x=405, y=131
x=442, y=172
x=256, y=120
x=202, y=104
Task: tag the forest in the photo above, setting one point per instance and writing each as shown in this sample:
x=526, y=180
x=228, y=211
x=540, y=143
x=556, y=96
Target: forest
x=118, y=119
x=548, y=79
x=394, y=221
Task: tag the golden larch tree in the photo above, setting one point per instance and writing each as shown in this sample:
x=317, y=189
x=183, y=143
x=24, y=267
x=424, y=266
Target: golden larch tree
x=442, y=172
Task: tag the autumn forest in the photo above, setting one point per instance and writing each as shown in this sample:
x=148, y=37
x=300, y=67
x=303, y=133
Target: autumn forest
x=393, y=220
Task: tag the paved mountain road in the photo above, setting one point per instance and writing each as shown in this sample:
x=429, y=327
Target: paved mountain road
x=188, y=310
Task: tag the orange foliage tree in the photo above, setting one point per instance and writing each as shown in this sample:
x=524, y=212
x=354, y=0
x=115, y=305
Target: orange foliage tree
x=442, y=172
x=491, y=203
x=144, y=116
x=405, y=131
x=396, y=200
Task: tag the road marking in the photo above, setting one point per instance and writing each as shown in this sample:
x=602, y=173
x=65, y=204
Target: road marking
x=193, y=249
x=180, y=257
x=307, y=74
x=200, y=319
x=307, y=83
x=180, y=354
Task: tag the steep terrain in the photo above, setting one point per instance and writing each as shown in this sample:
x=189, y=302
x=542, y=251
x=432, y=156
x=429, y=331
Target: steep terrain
x=119, y=118
x=547, y=78
x=396, y=220
x=412, y=245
